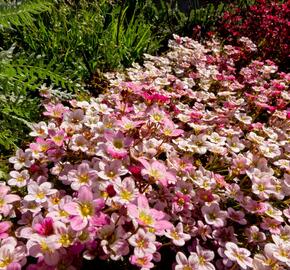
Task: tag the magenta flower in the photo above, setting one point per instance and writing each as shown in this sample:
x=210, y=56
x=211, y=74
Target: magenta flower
x=84, y=209
x=45, y=227
x=146, y=216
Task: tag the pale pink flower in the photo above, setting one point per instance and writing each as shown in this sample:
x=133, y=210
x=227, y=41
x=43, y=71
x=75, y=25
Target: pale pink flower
x=270, y=150
x=12, y=256
x=83, y=175
x=234, y=144
x=143, y=243
x=39, y=193
x=169, y=129
x=84, y=209
x=157, y=172
x=146, y=216
x=184, y=263
x=19, y=179
x=125, y=191
x=213, y=215
x=57, y=136
x=21, y=159
x=39, y=130
x=198, y=144
x=44, y=247
x=111, y=170
x=126, y=124
x=202, y=258
x=79, y=142
x=238, y=255
x=280, y=251
x=177, y=235
x=244, y=118
x=6, y=200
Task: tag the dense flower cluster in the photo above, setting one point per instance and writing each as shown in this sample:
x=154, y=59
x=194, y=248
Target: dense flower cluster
x=266, y=23
x=188, y=153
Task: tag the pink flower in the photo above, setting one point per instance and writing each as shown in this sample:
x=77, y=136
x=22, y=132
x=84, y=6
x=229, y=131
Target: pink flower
x=125, y=191
x=157, y=172
x=117, y=144
x=143, y=262
x=177, y=235
x=237, y=216
x=55, y=111
x=239, y=255
x=4, y=227
x=84, y=175
x=39, y=193
x=147, y=216
x=202, y=258
x=21, y=159
x=184, y=263
x=143, y=243
x=57, y=136
x=169, y=129
x=12, y=256
x=6, y=200
x=213, y=215
x=18, y=179
x=84, y=209
x=44, y=247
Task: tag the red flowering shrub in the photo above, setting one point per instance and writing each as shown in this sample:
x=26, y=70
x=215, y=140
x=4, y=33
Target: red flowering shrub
x=186, y=155
x=266, y=24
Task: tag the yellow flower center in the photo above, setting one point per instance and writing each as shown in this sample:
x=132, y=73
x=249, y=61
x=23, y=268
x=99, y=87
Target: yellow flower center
x=118, y=144
x=126, y=195
x=146, y=218
x=83, y=178
x=40, y=195
x=65, y=239
x=5, y=261
x=86, y=209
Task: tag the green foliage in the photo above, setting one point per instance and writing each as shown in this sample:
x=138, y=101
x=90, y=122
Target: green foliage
x=23, y=13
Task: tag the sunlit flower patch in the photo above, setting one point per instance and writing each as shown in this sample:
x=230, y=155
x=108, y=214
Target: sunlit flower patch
x=187, y=155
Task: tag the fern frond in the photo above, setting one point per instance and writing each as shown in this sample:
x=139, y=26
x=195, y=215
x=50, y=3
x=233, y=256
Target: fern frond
x=23, y=13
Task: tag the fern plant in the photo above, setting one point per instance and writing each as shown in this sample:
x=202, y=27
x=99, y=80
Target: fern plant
x=13, y=14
